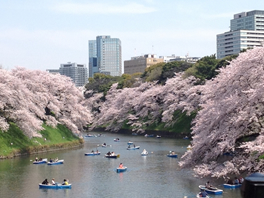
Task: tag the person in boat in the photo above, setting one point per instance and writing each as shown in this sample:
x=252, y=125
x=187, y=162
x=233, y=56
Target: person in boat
x=36, y=159
x=109, y=153
x=112, y=154
x=104, y=144
x=40, y=159
x=53, y=181
x=51, y=160
x=230, y=182
x=241, y=179
x=236, y=181
x=128, y=146
x=134, y=145
x=45, y=182
x=97, y=151
x=209, y=186
x=92, y=151
x=57, y=159
x=65, y=182
x=203, y=193
x=173, y=153
x=120, y=165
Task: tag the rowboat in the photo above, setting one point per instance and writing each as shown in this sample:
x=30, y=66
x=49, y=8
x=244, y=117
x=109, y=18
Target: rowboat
x=119, y=170
x=158, y=136
x=43, y=161
x=144, y=153
x=57, y=186
x=116, y=140
x=89, y=135
x=129, y=143
x=151, y=135
x=198, y=196
x=92, y=154
x=56, y=162
x=172, y=155
x=133, y=148
x=232, y=185
x=214, y=190
x=113, y=156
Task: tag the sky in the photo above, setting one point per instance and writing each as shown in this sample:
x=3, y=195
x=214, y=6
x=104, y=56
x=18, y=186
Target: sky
x=42, y=34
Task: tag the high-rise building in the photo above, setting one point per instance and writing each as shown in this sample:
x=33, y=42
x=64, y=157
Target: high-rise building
x=77, y=72
x=105, y=56
x=93, y=68
x=246, y=31
x=140, y=63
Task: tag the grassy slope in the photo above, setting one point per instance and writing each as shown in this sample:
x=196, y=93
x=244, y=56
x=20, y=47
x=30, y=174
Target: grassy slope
x=14, y=140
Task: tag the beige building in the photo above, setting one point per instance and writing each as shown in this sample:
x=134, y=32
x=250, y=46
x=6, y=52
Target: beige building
x=140, y=63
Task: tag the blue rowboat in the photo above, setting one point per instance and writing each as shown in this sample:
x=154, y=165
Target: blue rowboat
x=232, y=185
x=112, y=156
x=92, y=154
x=119, y=170
x=133, y=148
x=129, y=143
x=89, y=135
x=56, y=162
x=151, y=135
x=43, y=161
x=198, y=196
x=172, y=155
x=57, y=186
x=214, y=190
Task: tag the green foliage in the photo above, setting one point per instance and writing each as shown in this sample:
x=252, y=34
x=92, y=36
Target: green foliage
x=207, y=67
x=182, y=124
x=153, y=72
x=101, y=82
x=14, y=140
x=261, y=157
x=162, y=71
x=128, y=80
x=169, y=69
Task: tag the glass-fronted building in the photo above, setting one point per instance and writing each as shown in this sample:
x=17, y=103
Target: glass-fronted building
x=105, y=56
x=246, y=31
x=93, y=67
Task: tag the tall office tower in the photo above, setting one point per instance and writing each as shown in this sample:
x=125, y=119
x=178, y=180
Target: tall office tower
x=246, y=31
x=77, y=72
x=105, y=56
x=93, y=68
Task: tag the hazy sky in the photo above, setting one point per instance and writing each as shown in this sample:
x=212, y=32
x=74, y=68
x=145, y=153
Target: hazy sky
x=43, y=34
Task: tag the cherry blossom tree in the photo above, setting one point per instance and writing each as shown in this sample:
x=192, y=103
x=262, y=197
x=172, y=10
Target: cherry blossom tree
x=231, y=120
x=146, y=104
x=30, y=98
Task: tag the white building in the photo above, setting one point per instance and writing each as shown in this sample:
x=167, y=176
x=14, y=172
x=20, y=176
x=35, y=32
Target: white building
x=186, y=58
x=77, y=72
x=246, y=31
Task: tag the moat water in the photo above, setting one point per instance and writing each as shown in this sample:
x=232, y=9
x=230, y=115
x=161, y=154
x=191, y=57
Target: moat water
x=152, y=176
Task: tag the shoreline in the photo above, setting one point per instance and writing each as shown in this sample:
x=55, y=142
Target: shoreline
x=43, y=149
x=166, y=134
